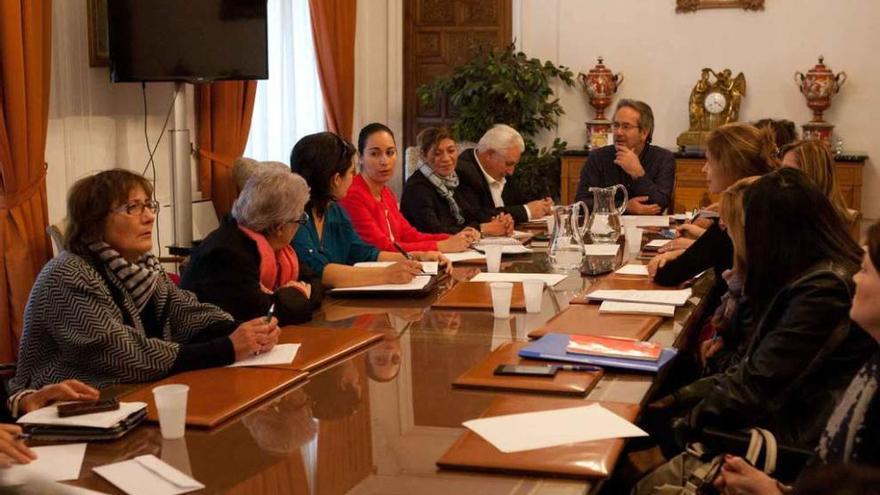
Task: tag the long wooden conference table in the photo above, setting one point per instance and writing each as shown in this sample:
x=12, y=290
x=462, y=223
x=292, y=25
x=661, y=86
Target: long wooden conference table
x=376, y=419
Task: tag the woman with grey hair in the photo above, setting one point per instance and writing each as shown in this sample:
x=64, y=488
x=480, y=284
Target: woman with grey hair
x=247, y=265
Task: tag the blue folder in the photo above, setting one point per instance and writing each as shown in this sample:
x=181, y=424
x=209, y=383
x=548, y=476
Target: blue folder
x=552, y=347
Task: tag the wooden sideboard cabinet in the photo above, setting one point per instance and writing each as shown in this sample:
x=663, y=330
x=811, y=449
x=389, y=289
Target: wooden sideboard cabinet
x=690, y=181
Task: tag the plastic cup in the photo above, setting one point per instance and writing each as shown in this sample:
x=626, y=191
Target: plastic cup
x=501, y=292
x=493, y=258
x=633, y=237
x=171, y=404
x=534, y=294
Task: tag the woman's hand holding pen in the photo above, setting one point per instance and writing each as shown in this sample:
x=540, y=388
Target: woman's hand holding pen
x=12, y=448
x=402, y=272
x=254, y=337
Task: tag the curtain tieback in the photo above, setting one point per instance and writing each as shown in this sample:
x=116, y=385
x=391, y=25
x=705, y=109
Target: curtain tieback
x=9, y=201
x=224, y=160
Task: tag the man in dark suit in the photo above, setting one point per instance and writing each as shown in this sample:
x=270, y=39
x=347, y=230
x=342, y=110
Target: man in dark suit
x=647, y=171
x=482, y=174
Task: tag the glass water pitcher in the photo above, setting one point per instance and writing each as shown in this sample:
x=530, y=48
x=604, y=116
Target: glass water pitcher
x=566, y=249
x=605, y=225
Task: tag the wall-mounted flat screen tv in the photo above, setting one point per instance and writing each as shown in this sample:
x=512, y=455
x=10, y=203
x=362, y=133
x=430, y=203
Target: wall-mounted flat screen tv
x=187, y=40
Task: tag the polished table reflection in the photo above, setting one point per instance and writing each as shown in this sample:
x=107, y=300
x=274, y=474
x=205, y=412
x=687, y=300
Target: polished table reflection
x=377, y=420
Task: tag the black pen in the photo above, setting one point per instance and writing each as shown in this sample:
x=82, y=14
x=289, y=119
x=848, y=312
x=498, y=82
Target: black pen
x=270, y=313
x=578, y=367
x=407, y=255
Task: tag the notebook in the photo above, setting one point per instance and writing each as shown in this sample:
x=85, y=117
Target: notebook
x=615, y=347
x=552, y=347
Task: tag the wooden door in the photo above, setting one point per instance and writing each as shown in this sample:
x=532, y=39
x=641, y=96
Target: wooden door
x=438, y=35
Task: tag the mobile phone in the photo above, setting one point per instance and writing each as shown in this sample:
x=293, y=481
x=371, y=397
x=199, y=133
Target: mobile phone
x=80, y=408
x=543, y=370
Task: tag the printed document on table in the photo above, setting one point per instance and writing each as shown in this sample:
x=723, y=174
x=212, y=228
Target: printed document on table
x=601, y=249
x=464, y=256
x=417, y=283
x=645, y=220
x=429, y=267
x=631, y=308
x=673, y=297
x=498, y=240
x=49, y=416
x=633, y=269
x=508, y=249
x=53, y=462
x=537, y=430
x=548, y=278
x=280, y=354
x=148, y=475
x=658, y=243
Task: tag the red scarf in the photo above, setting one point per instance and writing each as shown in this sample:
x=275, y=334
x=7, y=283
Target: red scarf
x=276, y=267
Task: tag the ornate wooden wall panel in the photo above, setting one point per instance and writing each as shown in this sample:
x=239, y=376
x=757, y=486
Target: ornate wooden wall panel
x=438, y=35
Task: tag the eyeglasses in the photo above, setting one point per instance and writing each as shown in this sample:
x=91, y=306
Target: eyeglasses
x=303, y=219
x=626, y=126
x=136, y=208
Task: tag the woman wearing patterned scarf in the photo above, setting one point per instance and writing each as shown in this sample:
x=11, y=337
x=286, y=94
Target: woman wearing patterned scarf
x=430, y=201
x=852, y=434
x=247, y=265
x=103, y=311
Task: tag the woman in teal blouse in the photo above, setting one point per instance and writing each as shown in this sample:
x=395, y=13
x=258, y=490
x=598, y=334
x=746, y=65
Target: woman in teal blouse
x=328, y=242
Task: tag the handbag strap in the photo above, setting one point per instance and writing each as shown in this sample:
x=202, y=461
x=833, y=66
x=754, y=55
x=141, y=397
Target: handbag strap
x=771, y=450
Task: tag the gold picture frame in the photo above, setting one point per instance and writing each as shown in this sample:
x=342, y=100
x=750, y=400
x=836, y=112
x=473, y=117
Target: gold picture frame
x=99, y=37
x=695, y=5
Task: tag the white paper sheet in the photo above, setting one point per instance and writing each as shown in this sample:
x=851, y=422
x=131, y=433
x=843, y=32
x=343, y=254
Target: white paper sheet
x=682, y=216
x=280, y=354
x=498, y=240
x=53, y=462
x=670, y=297
x=417, y=283
x=658, y=243
x=429, y=267
x=147, y=475
x=645, y=220
x=464, y=256
x=49, y=416
x=512, y=249
x=633, y=269
x=548, y=278
x=630, y=308
x=601, y=249
x=537, y=430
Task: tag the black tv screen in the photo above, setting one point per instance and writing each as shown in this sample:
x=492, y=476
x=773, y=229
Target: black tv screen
x=187, y=40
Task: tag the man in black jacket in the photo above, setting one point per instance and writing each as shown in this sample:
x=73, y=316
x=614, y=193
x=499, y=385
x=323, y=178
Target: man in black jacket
x=647, y=171
x=482, y=174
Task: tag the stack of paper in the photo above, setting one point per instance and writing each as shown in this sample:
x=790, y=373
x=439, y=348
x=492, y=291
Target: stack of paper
x=669, y=297
x=630, y=308
x=549, y=278
x=633, y=269
x=464, y=256
x=601, y=249
x=417, y=283
x=148, y=475
x=507, y=248
x=645, y=220
x=53, y=463
x=280, y=354
x=498, y=240
x=537, y=430
x=428, y=267
x=49, y=416
x=657, y=243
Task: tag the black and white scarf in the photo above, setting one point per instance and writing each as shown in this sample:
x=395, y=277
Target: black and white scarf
x=848, y=423
x=138, y=278
x=446, y=187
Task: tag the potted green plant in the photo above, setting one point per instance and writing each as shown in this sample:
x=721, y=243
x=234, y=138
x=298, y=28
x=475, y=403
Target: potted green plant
x=506, y=86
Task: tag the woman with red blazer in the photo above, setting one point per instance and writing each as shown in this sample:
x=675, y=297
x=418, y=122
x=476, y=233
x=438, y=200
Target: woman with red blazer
x=373, y=208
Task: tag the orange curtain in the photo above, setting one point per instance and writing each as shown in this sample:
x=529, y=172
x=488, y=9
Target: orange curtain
x=333, y=28
x=25, y=60
x=224, y=121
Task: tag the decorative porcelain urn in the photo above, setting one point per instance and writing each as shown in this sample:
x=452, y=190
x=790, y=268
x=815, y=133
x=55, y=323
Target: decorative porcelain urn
x=600, y=84
x=818, y=86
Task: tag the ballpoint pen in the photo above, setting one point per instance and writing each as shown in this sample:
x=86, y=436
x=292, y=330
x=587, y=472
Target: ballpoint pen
x=270, y=313
x=578, y=367
x=407, y=256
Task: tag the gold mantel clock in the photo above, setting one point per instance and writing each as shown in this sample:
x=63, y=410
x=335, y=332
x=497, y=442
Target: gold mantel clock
x=712, y=104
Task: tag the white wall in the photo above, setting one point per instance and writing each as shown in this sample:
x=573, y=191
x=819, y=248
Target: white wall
x=661, y=54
